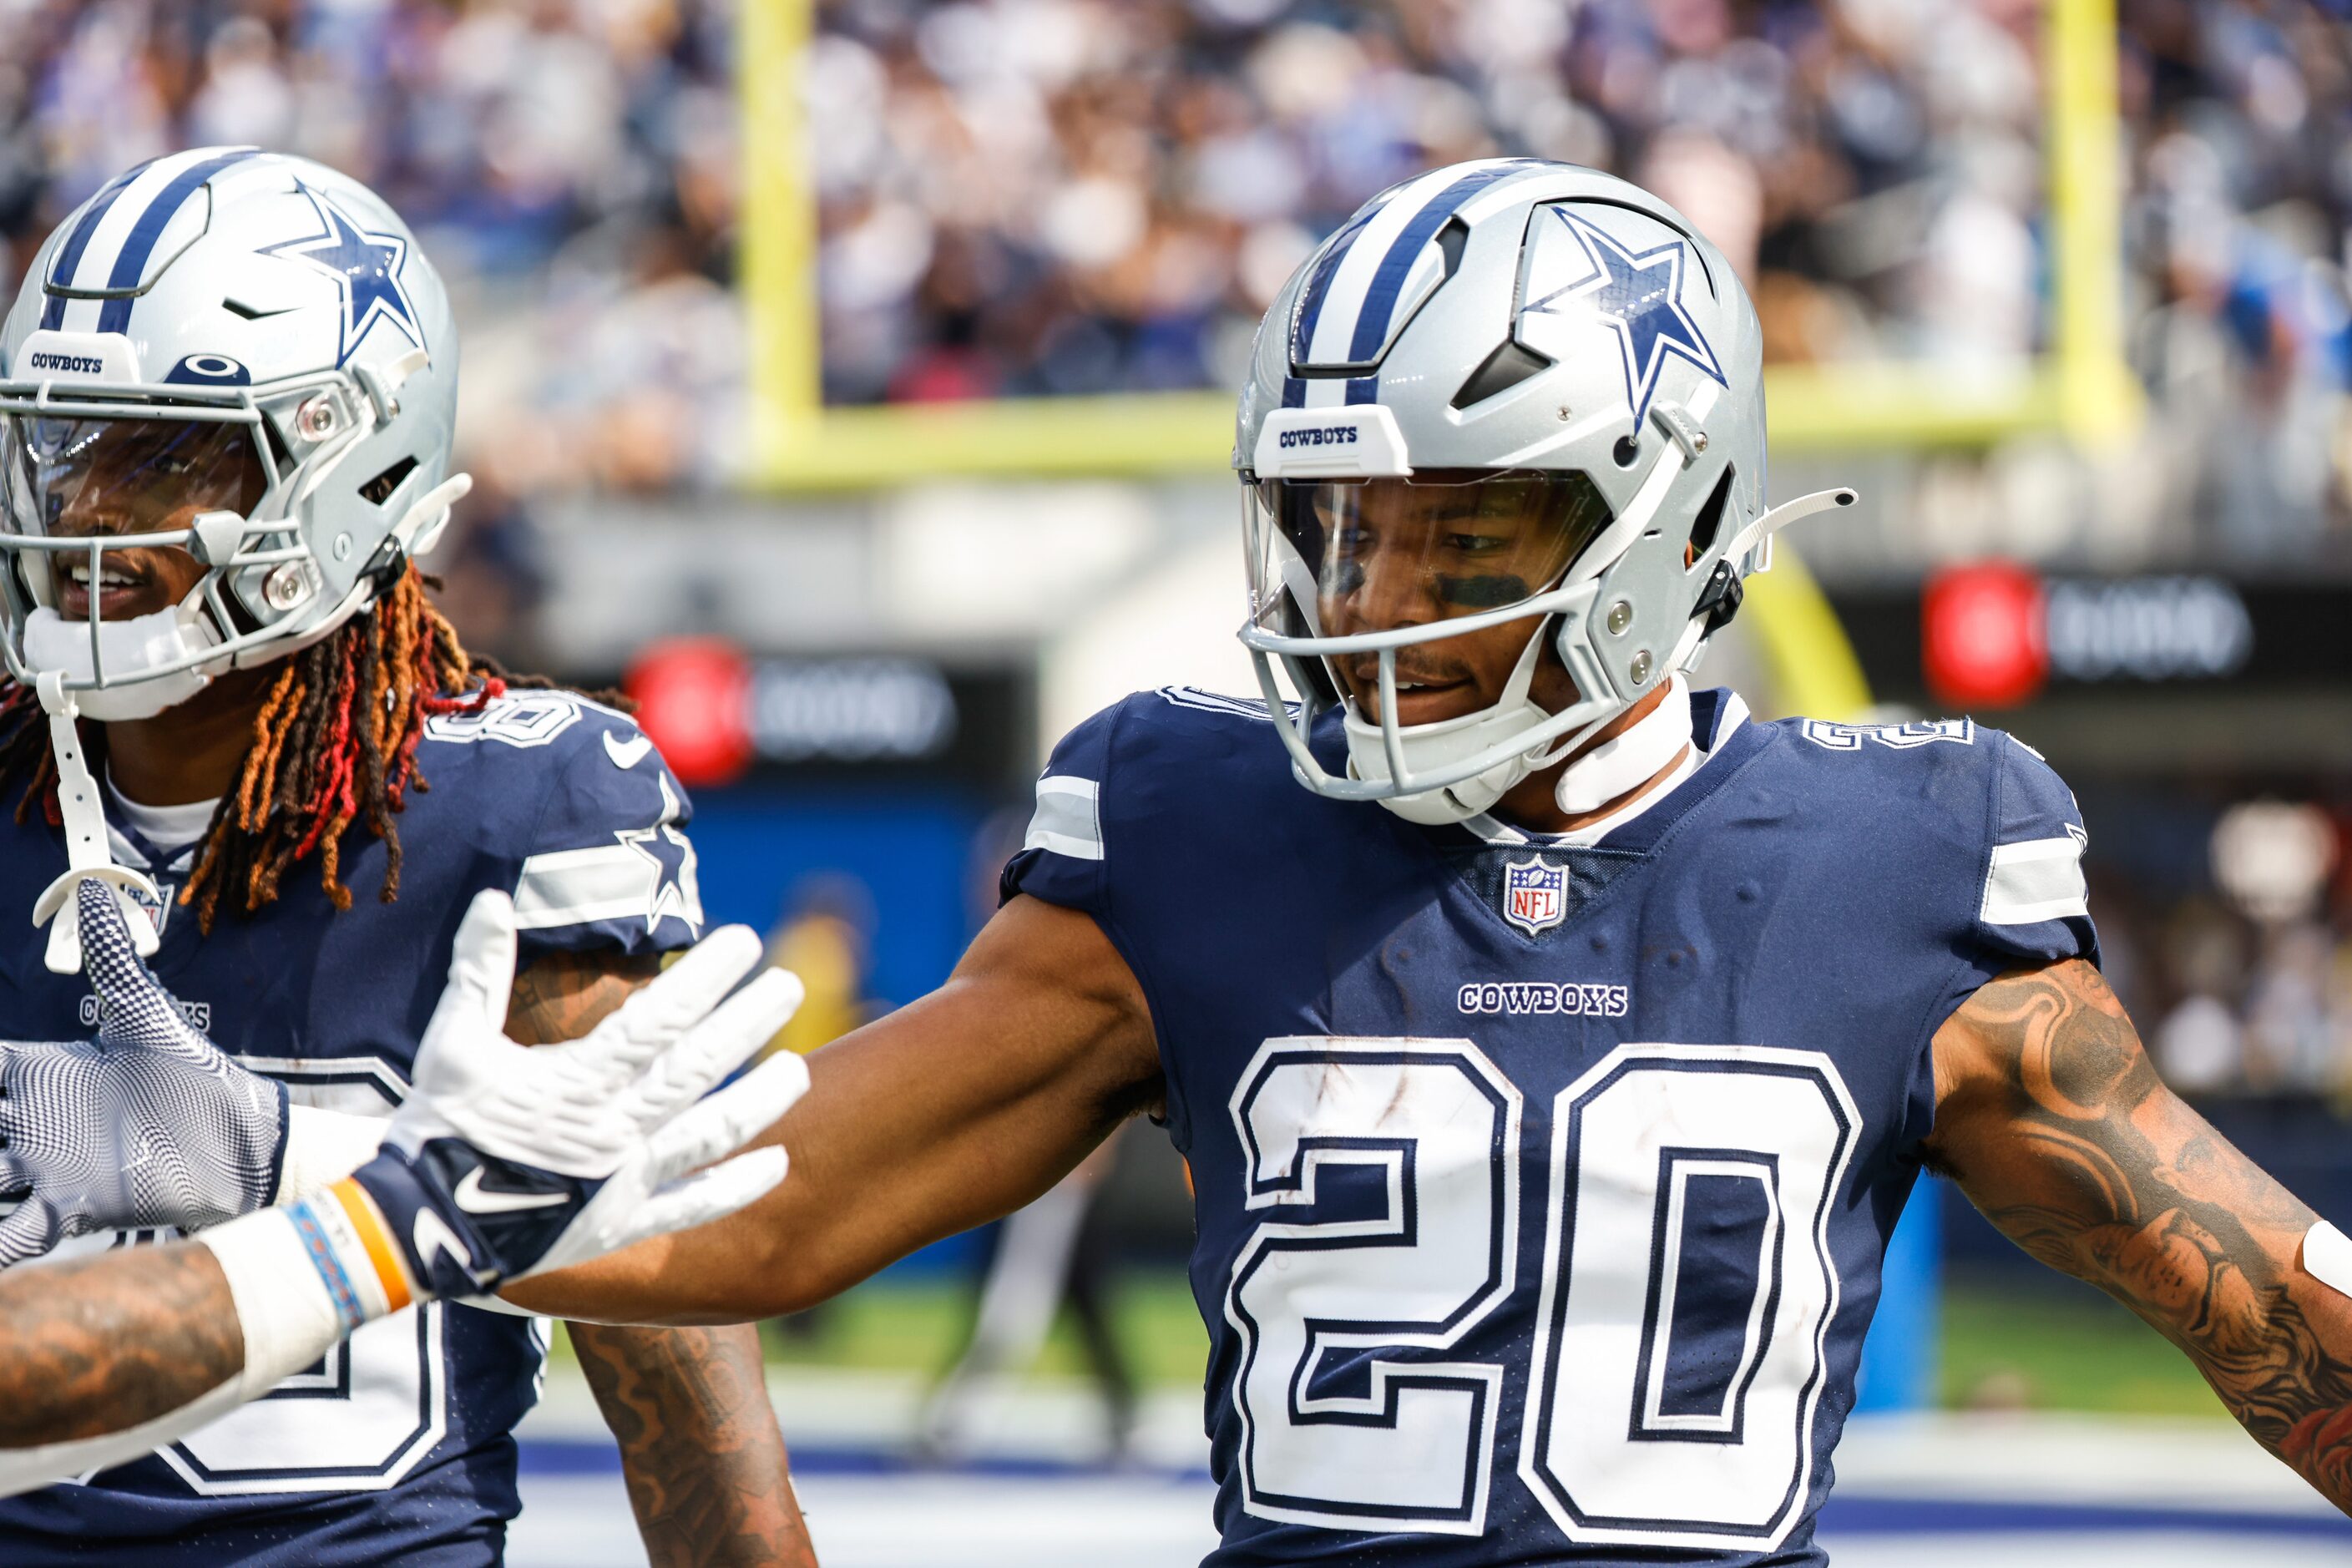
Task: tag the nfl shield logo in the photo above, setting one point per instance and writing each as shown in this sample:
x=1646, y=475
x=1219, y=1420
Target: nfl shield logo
x=1535, y=896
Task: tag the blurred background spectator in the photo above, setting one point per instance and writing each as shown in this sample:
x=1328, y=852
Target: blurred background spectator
x=1066, y=196
x=1059, y=197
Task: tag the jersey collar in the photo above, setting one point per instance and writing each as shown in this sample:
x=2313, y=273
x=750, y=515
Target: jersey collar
x=1717, y=717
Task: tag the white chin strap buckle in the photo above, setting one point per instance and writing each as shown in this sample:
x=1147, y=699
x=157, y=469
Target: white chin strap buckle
x=87, y=854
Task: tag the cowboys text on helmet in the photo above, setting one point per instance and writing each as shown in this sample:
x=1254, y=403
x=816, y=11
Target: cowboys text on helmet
x=233, y=355
x=1507, y=398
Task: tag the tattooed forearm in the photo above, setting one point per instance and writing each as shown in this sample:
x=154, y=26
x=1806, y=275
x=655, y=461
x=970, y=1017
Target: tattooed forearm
x=699, y=1443
x=2053, y=1121
x=562, y=996
x=93, y=1347
x=699, y=1448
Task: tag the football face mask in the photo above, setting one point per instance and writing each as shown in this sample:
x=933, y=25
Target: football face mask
x=108, y=527
x=1423, y=597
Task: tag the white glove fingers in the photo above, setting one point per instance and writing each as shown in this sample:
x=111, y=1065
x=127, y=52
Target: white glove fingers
x=133, y=1006
x=710, y=1195
x=481, y=967
x=728, y=1120
x=680, y=996
x=724, y=1041
x=31, y=1231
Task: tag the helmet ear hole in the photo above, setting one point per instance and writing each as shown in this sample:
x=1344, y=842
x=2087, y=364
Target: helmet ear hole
x=379, y=489
x=1710, y=520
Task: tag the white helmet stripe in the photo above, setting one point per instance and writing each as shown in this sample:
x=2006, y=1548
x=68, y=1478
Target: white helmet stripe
x=100, y=260
x=1365, y=293
x=1335, y=325
x=68, y=254
x=130, y=261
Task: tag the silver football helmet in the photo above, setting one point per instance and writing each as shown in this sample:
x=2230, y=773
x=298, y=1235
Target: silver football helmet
x=1508, y=389
x=232, y=352
x=235, y=355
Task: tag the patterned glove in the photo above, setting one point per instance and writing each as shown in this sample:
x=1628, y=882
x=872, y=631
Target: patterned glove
x=147, y=1125
x=508, y=1160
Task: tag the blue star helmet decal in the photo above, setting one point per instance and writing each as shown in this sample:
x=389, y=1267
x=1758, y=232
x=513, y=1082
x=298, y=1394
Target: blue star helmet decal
x=1575, y=269
x=365, y=266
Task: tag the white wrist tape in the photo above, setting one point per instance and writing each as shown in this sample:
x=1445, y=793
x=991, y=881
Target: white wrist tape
x=323, y=1147
x=304, y=1276
x=300, y=1278
x=2328, y=1257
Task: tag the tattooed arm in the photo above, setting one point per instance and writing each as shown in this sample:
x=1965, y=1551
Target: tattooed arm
x=700, y=1445
x=2052, y=1121
x=113, y=1341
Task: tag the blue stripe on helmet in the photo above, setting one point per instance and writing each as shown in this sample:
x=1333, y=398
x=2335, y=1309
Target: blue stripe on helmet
x=1388, y=278
x=68, y=257
x=130, y=261
x=1293, y=393
x=1364, y=389
x=1310, y=304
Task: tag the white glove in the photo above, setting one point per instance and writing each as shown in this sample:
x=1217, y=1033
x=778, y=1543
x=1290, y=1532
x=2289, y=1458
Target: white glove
x=508, y=1160
x=504, y=1159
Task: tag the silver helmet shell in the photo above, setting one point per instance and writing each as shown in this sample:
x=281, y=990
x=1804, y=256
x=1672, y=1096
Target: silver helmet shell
x=1510, y=314
x=235, y=286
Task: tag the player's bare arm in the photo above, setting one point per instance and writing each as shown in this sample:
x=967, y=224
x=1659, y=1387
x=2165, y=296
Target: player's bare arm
x=700, y=1449
x=105, y=1359
x=702, y=1454
x=2054, y=1123
x=953, y=1110
x=111, y=1341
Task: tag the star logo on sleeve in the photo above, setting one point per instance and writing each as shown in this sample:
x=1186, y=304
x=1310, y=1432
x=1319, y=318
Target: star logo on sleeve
x=673, y=890
x=1638, y=296
x=366, y=267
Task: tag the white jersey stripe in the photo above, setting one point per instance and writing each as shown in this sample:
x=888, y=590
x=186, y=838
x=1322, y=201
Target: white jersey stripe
x=576, y=887
x=1068, y=819
x=2038, y=879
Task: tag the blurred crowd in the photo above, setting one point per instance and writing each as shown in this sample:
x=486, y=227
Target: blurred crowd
x=1051, y=197
x=1081, y=196
x=569, y=165
x=2229, y=937
x=1070, y=196
x=1040, y=196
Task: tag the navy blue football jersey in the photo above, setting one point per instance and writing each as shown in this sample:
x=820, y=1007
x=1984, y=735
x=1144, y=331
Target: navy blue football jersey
x=1542, y=1190
x=396, y=1447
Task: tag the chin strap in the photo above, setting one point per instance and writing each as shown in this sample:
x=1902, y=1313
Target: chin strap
x=1628, y=761
x=87, y=854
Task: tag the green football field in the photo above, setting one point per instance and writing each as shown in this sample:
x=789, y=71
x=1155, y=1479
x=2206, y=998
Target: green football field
x=2043, y=1349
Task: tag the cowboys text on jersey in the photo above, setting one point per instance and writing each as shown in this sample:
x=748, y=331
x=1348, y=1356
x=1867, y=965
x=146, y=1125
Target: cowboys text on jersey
x=397, y=1445
x=1536, y=1232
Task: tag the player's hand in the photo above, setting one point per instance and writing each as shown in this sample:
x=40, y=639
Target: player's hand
x=506, y=1159
x=149, y=1124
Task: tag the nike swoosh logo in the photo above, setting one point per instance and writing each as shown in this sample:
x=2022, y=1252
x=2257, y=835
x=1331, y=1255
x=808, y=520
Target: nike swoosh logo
x=474, y=1200
x=626, y=754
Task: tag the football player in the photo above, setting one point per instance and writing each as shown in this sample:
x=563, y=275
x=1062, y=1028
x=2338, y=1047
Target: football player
x=226, y=426
x=589, y=1144
x=1553, y=1045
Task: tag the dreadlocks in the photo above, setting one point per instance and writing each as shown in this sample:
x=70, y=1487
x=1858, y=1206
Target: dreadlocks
x=334, y=742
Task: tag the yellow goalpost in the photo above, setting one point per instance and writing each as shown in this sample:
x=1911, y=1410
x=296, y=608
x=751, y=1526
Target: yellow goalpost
x=2081, y=386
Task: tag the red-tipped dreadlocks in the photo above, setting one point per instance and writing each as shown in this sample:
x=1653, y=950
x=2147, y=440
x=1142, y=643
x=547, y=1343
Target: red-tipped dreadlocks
x=334, y=741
